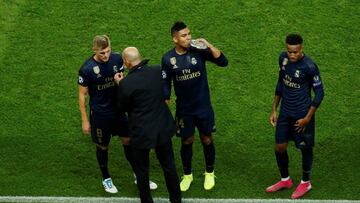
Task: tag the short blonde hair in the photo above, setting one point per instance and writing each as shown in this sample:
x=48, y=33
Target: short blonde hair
x=101, y=42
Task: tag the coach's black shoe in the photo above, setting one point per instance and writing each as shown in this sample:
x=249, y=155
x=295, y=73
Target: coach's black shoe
x=152, y=185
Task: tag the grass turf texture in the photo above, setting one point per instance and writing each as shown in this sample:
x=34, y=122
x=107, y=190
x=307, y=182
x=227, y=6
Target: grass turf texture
x=43, y=44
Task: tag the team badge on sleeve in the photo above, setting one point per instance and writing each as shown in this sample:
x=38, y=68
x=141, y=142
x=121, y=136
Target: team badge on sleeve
x=163, y=73
x=81, y=80
x=316, y=81
x=115, y=69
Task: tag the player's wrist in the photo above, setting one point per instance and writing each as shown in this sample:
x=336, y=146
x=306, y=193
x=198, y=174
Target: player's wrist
x=307, y=118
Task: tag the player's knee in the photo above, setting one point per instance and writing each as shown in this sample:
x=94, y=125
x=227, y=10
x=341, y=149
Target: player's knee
x=102, y=147
x=281, y=148
x=206, y=140
x=125, y=140
x=188, y=140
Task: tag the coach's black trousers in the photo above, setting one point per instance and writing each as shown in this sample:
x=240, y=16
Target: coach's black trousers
x=165, y=155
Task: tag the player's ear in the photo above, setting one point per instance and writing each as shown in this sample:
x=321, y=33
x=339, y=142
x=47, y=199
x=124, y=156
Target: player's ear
x=174, y=38
x=126, y=62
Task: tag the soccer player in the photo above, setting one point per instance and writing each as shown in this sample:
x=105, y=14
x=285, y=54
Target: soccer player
x=96, y=79
x=298, y=74
x=150, y=120
x=184, y=65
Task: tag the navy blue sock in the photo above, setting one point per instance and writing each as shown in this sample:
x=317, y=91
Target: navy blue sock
x=186, y=157
x=209, y=154
x=128, y=155
x=282, y=160
x=102, y=157
x=307, y=159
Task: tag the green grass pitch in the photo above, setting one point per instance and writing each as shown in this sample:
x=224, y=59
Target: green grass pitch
x=43, y=44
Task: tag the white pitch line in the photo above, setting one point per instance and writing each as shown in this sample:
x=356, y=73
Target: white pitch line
x=156, y=200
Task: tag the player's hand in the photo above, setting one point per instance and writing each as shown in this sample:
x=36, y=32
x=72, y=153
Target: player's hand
x=167, y=101
x=86, y=127
x=273, y=118
x=300, y=125
x=118, y=77
x=202, y=40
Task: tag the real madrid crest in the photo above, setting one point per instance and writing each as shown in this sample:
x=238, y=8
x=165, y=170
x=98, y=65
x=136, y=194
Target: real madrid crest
x=285, y=61
x=96, y=69
x=193, y=61
x=173, y=61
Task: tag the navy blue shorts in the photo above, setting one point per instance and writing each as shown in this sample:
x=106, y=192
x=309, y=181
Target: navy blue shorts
x=285, y=131
x=205, y=123
x=102, y=128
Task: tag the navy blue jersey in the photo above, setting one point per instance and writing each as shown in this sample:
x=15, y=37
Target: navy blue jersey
x=296, y=79
x=99, y=78
x=188, y=74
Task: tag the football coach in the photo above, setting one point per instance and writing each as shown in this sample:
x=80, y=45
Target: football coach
x=151, y=125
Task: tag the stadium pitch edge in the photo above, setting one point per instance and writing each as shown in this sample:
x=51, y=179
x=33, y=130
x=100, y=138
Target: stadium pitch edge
x=158, y=200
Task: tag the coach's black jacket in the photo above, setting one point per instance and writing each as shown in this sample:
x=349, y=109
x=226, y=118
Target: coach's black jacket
x=141, y=96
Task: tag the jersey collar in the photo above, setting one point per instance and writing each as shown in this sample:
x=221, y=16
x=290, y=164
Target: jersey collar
x=142, y=63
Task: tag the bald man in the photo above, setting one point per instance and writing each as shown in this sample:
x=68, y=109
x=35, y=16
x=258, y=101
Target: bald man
x=151, y=125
